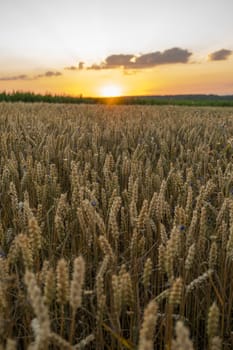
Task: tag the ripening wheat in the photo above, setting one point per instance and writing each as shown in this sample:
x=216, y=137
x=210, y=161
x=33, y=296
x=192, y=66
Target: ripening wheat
x=116, y=227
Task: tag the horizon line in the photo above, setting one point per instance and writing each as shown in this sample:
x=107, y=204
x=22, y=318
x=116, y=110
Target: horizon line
x=80, y=95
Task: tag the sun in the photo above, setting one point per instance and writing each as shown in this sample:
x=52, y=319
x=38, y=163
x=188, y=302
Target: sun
x=110, y=91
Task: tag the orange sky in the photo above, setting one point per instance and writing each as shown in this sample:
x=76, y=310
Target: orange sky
x=135, y=48
x=204, y=77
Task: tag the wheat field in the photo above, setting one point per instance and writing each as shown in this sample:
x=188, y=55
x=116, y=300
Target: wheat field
x=116, y=227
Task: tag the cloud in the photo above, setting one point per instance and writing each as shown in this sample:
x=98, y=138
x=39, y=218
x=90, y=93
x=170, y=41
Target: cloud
x=95, y=66
x=174, y=55
x=73, y=68
x=80, y=65
x=115, y=61
x=220, y=55
x=151, y=59
x=16, y=77
x=49, y=74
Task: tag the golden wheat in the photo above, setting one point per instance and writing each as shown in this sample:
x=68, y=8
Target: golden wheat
x=116, y=227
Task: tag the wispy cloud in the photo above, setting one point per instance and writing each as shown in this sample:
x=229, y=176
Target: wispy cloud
x=80, y=66
x=149, y=60
x=15, y=77
x=220, y=55
x=48, y=74
x=96, y=66
x=71, y=68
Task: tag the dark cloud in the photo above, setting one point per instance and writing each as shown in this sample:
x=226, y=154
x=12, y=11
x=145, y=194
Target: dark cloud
x=174, y=55
x=49, y=74
x=220, y=55
x=115, y=61
x=152, y=59
x=16, y=77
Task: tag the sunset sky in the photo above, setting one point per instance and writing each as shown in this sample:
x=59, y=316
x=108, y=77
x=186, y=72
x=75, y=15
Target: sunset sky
x=129, y=47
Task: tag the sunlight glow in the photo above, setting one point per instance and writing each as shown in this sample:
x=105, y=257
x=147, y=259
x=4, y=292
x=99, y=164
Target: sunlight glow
x=110, y=91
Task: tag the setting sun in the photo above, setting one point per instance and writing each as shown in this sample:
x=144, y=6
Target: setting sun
x=110, y=91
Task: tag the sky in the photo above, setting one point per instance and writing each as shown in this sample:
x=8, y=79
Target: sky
x=129, y=47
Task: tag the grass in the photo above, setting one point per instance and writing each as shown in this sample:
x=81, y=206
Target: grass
x=116, y=227
x=176, y=100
